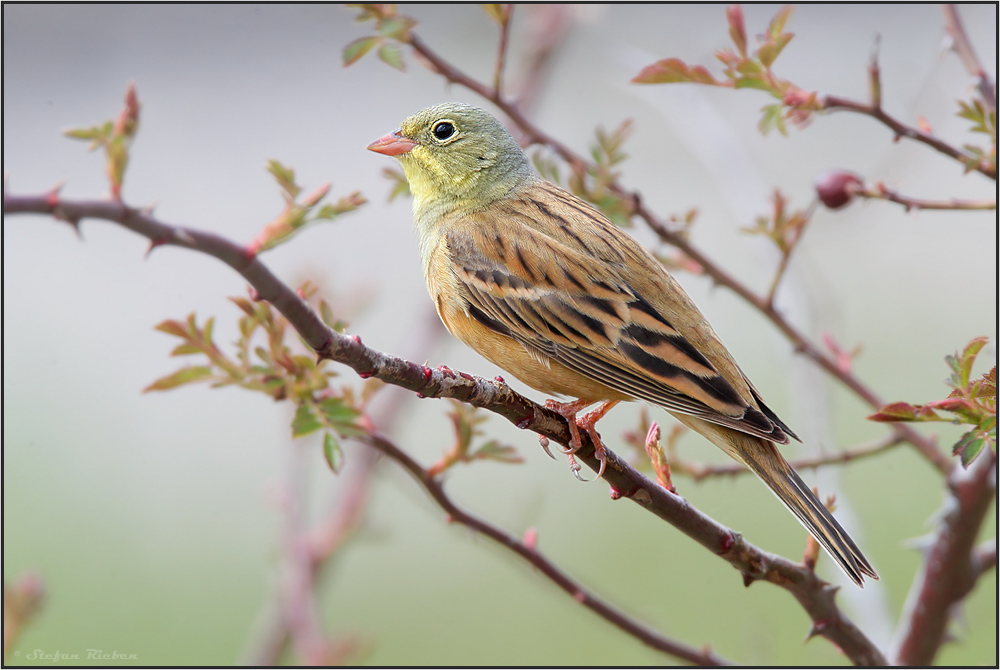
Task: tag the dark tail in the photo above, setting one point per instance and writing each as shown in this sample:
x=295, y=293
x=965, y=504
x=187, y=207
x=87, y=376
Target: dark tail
x=779, y=476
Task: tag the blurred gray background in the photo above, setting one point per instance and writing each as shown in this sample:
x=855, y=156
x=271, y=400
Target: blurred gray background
x=155, y=519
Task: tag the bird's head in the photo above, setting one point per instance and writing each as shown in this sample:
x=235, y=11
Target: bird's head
x=456, y=156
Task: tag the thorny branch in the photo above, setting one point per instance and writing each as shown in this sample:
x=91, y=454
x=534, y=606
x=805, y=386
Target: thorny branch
x=900, y=129
x=527, y=551
x=700, y=471
x=813, y=594
x=882, y=192
x=953, y=563
x=963, y=47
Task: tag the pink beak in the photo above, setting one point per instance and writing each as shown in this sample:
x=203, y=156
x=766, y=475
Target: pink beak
x=392, y=144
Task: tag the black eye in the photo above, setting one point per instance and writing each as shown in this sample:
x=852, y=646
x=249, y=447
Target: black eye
x=443, y=130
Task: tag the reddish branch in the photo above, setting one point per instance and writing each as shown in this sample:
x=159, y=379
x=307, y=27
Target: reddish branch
x=963, y=47
x=882, y=192
x=457, y=515
x=699, y=471
x=900, y=129
x=536, y=136
x=277, y=622
x=814, y=595
x=953, y=563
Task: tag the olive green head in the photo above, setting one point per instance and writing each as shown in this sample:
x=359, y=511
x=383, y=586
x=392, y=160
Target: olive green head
x=456, y=156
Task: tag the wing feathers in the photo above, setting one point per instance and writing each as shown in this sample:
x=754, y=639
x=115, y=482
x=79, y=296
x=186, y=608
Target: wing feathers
x=576, y=299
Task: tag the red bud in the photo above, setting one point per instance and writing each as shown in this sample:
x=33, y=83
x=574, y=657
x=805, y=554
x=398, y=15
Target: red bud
x=836, y=188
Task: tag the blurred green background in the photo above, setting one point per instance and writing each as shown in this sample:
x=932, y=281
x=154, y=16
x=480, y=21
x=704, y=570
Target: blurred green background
x=155, y=520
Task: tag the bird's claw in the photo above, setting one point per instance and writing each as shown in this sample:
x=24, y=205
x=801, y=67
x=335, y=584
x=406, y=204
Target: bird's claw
x=574, y=467
x=587, y=422
x=544, y=442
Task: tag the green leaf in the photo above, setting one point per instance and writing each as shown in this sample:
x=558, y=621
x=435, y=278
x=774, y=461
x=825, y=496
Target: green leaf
x=772, y=119
x=95, y=133
x=332, y=452
x=340, y=415
x=737, y=27
x=674, y=70
x=969, y=358
x=392, y=56
x=358, y=48
x=326, y=313
x=969, y=446
x=305, y=421
x=206, y=334
x=778, y=22
x=897, y=411
x=179, y=378
x=752, y=81
x=171, y=327
x=186, y=350
x=397, y=27
x=285, y=178
x=496, y=451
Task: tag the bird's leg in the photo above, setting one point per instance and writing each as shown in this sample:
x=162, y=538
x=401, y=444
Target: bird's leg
x=569, y=411
x=588, y=422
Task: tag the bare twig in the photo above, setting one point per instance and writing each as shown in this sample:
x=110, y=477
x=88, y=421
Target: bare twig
x=547, y=28
x=528, y=552
x=674, y=238
x=700, y=471
x=508, y=14
x=963, y=47
x=899, y=129
x=786, y=254
x=881, y=192
x=814, y=595
x=949, y=571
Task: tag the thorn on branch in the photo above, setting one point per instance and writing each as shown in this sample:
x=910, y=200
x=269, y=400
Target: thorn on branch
x=158, y=242
x=817, y=628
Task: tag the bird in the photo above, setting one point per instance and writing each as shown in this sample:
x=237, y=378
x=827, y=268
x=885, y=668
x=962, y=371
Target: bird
x=546, y=287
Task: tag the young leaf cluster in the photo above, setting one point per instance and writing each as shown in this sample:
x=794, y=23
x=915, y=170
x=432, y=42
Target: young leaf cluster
x=971, y=402
x=782, y=227
x=983, y=121
x=298, y=213
x=745, y=69
x=465, y=420
x=593, y=182
x=390, y=31
x=272, y=368
x=115, y=138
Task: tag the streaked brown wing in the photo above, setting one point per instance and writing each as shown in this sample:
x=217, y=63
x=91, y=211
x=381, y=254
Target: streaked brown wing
x=565, y=296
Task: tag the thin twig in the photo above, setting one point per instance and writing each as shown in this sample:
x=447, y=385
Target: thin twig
x=529, y=553
x=508, y=12
x=814, y=595
x=881, y=192
x=963, y=47
x=678, y=240
x=899, y=129
x=547, y=28
x=700, y=471
x=949, y=571
x=786, y=254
